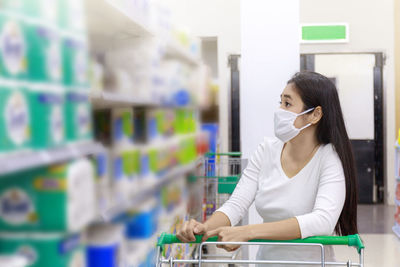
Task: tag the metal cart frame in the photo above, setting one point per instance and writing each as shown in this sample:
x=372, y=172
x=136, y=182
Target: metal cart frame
x=317, y=241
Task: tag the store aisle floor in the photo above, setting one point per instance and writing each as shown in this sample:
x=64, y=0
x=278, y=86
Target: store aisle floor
x=382, y=246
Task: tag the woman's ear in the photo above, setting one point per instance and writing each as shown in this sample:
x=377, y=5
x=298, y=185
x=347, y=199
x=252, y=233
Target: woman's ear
x=316, y=115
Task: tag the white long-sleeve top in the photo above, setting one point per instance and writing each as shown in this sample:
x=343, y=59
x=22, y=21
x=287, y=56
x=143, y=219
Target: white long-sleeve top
x=315, y=196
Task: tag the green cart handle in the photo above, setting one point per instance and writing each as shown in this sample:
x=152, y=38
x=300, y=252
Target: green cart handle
x=232, y=154
x=351, y=240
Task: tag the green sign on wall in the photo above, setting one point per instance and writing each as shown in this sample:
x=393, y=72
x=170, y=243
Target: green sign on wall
x=325, y=33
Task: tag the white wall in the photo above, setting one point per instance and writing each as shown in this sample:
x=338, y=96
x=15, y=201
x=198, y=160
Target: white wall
x=270, y=56
x=220, y=19
x=209, y=52
x=371, y=25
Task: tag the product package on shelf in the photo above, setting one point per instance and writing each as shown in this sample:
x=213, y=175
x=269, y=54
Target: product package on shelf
x=13, y=261
x=115, y=127
x=132, y=71
x=55, y=198
x=161, y=157
x=177, y=82
x=105, y=246
x=44, y=249
x=125, y=168
x=15, y=121
x=78, y=116
x=141, y=231
x=122, y=126
x=96, y=76
x=185, y=121
x=103, y=184
x=47, y=116
x=76, y=63
x=30, y=51
x=13, y=46
x=44, y=56
x=146, y=125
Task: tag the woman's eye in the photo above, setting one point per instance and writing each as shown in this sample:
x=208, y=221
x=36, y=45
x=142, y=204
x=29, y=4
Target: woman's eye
x=287, y=104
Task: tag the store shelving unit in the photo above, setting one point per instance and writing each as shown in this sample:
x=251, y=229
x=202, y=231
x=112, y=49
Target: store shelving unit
x=109, y=100
x=109, y=25
x=169, y=176
x=31, y=159
x=174, y=50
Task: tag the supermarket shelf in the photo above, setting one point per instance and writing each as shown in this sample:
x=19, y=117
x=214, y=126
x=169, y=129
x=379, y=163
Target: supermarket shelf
x=109, y=25
x=31, y=159
x=103, y=100
x=177, y=51
x=145, y=193
x=396, y=230
x=108, y=100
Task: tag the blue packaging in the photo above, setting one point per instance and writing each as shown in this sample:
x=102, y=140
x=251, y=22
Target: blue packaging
x=102, y=256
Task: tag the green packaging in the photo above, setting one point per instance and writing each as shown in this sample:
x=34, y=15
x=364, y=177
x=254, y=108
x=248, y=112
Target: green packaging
x=56, y=198
x=13, y=48
x=122, y=126
x=47, y=116
x=126, y=163
x=78, y=116
x=75, y=63
x=45, y=250
x=44, y=54
x=15, y=121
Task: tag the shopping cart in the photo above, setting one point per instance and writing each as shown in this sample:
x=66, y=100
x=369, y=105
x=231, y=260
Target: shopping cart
x=318, y=241
x=220, y=176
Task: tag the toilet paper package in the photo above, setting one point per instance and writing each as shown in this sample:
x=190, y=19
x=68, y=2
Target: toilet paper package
x=55, y=198
x=46, y=107
x=15, y=119
x=78, y=116
x=44, y=55
x=13, y=261
x=44, y=250
x=29, y=51
x=75, y=63
x=13, y=47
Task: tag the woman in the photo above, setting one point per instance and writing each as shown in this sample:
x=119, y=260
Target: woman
x=303, y=183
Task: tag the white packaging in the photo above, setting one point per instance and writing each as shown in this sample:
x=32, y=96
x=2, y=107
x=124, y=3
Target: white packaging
x=13, y=261
x=81, y=206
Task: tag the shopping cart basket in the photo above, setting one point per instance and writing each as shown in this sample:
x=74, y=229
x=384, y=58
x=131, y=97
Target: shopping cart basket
x=220, y=176
x=317, y=241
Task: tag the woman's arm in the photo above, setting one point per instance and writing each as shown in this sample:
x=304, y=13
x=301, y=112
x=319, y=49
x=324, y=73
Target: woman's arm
x=281, y=230
x=190, y=228
x=237, y=205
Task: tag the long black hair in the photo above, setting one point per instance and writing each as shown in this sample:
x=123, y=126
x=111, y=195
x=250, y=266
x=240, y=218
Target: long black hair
x=317, y=90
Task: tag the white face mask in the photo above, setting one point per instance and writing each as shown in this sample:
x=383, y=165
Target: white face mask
x=284, y=124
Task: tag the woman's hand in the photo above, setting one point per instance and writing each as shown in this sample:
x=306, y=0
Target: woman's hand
x=189, y=229
x=230, y=234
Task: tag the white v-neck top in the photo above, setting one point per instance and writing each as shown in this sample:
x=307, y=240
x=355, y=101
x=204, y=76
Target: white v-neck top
x=315, y=196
